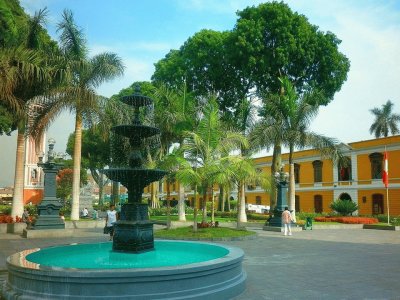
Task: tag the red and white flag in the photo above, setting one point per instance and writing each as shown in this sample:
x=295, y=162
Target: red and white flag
x=385, y=174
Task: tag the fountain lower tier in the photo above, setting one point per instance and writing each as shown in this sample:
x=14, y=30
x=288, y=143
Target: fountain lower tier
x=134, y=179
x=93, y=271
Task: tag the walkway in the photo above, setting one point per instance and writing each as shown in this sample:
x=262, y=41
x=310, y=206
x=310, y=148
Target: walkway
x=318, y=264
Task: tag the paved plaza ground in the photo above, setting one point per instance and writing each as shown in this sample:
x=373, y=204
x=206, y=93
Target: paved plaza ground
x=317, y=264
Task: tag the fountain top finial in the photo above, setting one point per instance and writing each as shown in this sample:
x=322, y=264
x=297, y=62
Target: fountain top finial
x=137, y=89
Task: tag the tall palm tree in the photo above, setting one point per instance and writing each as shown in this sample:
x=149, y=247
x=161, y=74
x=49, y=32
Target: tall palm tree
x=385, y=120
x=295, y=114
x=78, y=94
x=26, y=72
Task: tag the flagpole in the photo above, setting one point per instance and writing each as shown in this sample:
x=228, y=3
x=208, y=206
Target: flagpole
x=385, y=179
x=387, y=204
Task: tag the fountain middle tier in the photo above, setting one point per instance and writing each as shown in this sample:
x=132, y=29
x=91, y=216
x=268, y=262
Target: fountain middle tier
x=137, y=131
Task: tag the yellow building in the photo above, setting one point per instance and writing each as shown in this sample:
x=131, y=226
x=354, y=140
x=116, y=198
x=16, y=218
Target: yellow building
x=319, y=181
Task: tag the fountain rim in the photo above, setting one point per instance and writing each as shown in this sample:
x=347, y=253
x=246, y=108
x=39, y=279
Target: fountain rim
x=18, y=260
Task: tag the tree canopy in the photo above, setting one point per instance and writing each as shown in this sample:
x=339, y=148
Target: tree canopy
x=267, y=42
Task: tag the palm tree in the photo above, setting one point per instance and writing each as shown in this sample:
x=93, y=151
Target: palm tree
x=243, y=121
x=26, y=72
x=385, y=121
x=294, y=114
x=207, y=145
x=78, y=94
x=173, y=115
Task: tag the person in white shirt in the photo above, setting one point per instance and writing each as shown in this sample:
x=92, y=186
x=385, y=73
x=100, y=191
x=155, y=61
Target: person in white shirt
x=286, y=221
x=85, y=213
x=111, y=218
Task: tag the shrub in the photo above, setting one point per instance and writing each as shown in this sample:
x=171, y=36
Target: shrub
x=5, y=209
x=254, y=216
x=344, y=207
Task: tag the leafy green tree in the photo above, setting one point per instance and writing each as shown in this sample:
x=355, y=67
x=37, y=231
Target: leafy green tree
x=385, y=121
x=272, y=41
x=202, y=62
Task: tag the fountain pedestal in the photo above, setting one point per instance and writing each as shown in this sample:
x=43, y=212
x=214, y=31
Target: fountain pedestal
x=134, y=232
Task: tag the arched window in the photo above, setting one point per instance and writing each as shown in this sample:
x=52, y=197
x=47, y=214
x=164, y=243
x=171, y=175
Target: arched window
x=296, y=173
x=318, y=203
x=317, y=164
x=344, y=196
x=376, y=165
x=258, y=200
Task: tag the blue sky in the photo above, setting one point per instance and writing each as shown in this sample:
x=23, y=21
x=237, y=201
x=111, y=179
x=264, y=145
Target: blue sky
x=142, y=32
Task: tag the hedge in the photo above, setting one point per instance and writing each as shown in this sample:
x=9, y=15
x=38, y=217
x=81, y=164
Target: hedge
x=348, y=220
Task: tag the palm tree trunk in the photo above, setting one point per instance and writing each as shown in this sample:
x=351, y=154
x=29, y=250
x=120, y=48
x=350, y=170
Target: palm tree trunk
x=76, y=177
x=221, y=198
x=204, y=220
x=181, y=203
x=276, y=162
x=195, y=209
x=212, y=205
x=155, y=203
x=242, y=218
x=292, y=191
x=18, y=198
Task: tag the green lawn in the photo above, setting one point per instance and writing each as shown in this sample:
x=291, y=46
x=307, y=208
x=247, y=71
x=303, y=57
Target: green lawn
x=190, y=218
x=202, y=233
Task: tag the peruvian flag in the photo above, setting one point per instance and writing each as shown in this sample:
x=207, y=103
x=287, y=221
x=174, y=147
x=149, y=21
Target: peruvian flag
x=385, y=174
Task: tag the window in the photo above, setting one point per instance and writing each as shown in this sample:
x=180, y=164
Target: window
x=376, y=165
x=296, y=173
x=297, y=203
x=258, y=200
x=317, y=164
x=344, y=171
x=318, y=203
x=377, y=204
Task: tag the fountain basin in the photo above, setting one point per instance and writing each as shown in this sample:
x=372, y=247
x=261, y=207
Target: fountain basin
x=208, y=270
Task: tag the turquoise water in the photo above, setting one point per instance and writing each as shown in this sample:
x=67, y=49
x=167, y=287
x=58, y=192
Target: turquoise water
x=101, y=256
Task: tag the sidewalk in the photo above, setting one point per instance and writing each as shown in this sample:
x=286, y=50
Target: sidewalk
x=317, y=264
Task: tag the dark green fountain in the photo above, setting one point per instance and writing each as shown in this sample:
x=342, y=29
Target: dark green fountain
x=133, y=232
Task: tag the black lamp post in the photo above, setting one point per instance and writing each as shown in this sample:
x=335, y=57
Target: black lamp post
x=281, y=179
x=49, y=208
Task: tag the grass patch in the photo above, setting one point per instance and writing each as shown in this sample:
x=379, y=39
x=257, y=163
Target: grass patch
x=190, y=218
x=202, y=233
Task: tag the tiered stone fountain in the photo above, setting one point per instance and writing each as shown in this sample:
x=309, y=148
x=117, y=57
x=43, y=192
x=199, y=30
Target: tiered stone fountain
x=134, y=232
x=174, y=270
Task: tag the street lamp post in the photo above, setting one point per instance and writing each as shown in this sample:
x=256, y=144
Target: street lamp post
x=281, y=179
x=49, y=208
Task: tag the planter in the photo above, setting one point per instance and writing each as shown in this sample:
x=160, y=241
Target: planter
x=382, y=227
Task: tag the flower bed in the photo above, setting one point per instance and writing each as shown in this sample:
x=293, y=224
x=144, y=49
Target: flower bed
x=348, y=220
x=8, y=219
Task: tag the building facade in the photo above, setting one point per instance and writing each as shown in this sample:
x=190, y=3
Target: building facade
x=319, y=181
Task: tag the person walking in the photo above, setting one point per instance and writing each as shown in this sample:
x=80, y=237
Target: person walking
x=286, y=221
x=111, y=218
